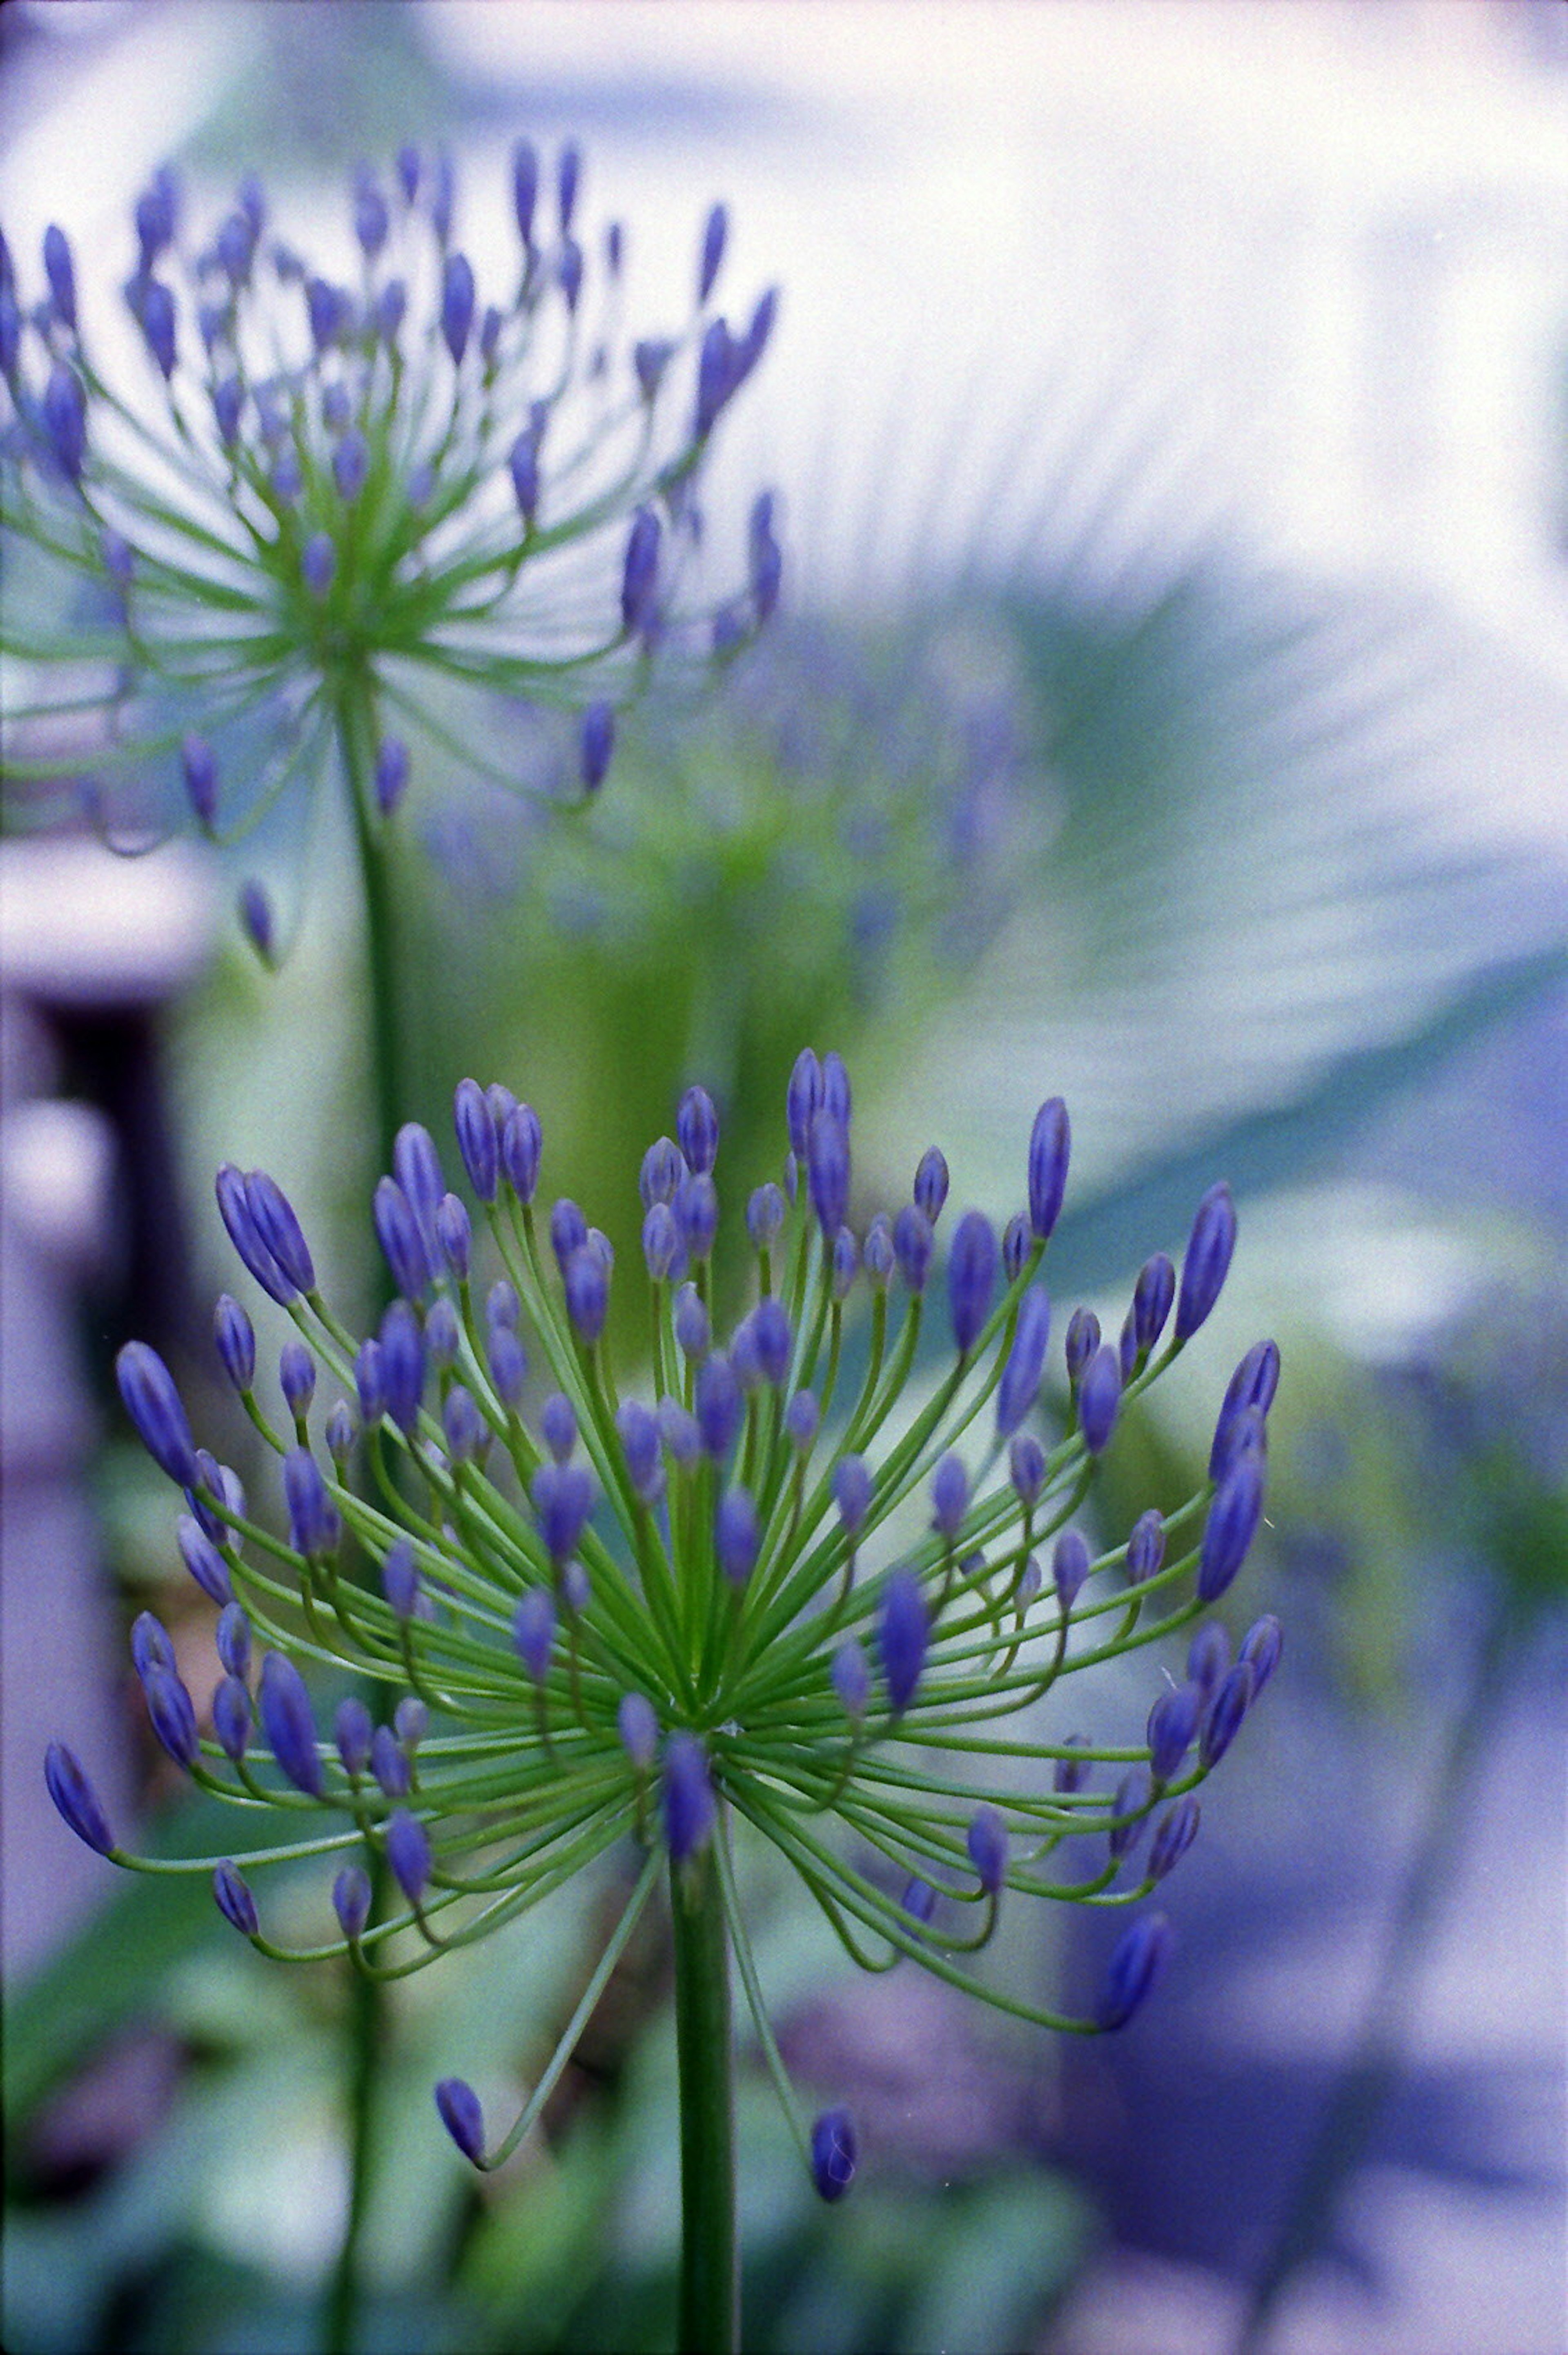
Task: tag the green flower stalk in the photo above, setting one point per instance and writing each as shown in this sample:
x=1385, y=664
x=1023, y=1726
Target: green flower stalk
x=334, y=513
x=740, y=1591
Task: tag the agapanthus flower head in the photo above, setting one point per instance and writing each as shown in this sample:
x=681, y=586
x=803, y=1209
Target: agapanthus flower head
x=335, y=501
x=653, y=1605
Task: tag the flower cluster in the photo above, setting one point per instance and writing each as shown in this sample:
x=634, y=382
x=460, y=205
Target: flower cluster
x=572, y=1611
x=355, y=502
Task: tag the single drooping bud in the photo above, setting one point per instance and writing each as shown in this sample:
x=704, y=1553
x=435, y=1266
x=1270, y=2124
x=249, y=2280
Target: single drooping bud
x=463, y=2117
x=1138, y=1961
x=833, y=2154
x=1233, y=1698
x=1261, y=1647
x=171, y=1714
x=75, y=1798
x=408, y=1853
x=1172, y=1723
x=234, y=1899
x=202, y=1561
x=1070, y=1566
x=153, y=1405
x=986, y=1842
x=1173, y=1836
x=351, y=1901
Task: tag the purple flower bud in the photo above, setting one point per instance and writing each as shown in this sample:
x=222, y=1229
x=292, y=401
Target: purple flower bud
x=639, y=1434
x=803, y=1100
x=411, y=1722
x=521, y=1144
x=598, y=744
x=1134, y=1796
x=398, y=1231
x=949, y=1496
x=801, y=1417
x=576, y=1591
x=661, y=1173
x=315, y=1527
x=372, y=219
x=1050, y=1147
x=827, y=1170
x=853, y=1489
x=1082, y=1341
x=650, y=357
x=509, y=1365
x=986, y=1842
x=287, y=484
x=351, y=1901
x=119, y=557
x=391, y=304
x=1233, y=1698
x=200, y=773
x=587, y=1294
x=693, y=1330
x=171, y=1714
x=256, y=916
x=697, y=1128
x=319, y=563
x=155, y=216
x=557, y=1426
x=1026, y=1463
x=1208, y=1656
x=351, y=466
x=236, y=1340
x=202, y=1561
x=1152, y=1296
x=158, y=325
x=903, y=1630
x=971, y=1278
x=833, y=2154
x=878, y=1253
x=1231, y=1525
x=1261, y=1647
x=737, y=1536
x=461, y=2116
x=403, y=1365
x=1146, y=1547
x=851, y=1679
x=1138, y=1962
x=296, y=1376
x=457, y=304
x=524, y=188
x=836, y=1098
x=523, y=464
x=638, y=1729
x=846, y=1263
x=235, y=248
x=679, y=1432
x=60, y=271
x=369, y=1383
x=231, y=1716
x=913, y=1245
x=1100, y=1398
x=466, y=1433
x=718, y=1406
x=568, y=272
x=1251, y=1389
x=1070, y=1566
x=639, y=575
x=562, y=1498
x=567, y=1231
x=455, y=1234
x=476, y=1139
x=1173, y=1836
x=407, y=171
x=340, y=1435
x=533, y=1631
x=288, y=1723
x=150, y=1644
x=771, y=1339
x=1209, y=1249
x=689, y=1804
x=233, y=1639
x=696, y=1212
x=568, y=176
x=1016, y=1246
x=75, y=1798
x=352, y=1730
x=502, y=1307
x=1071, y=1767
x=1172, y=1723
x=234, y=1899
x=715, y=231
x=718, y=376
x=408, y=1853
x=153, y=1405
x=1022, y=1374
x=64, y=412
x=390, y=1765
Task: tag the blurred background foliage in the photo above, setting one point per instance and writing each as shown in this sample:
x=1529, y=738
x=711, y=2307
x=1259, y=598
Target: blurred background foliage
x=1197, y=839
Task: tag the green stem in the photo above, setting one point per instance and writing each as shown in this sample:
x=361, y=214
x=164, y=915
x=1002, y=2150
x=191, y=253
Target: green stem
x=709, y=2273
x=354, y=716
x=1370, y=2071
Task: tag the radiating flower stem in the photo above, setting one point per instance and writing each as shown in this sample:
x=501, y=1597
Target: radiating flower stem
x=367, y=2001
x=709, y=2271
